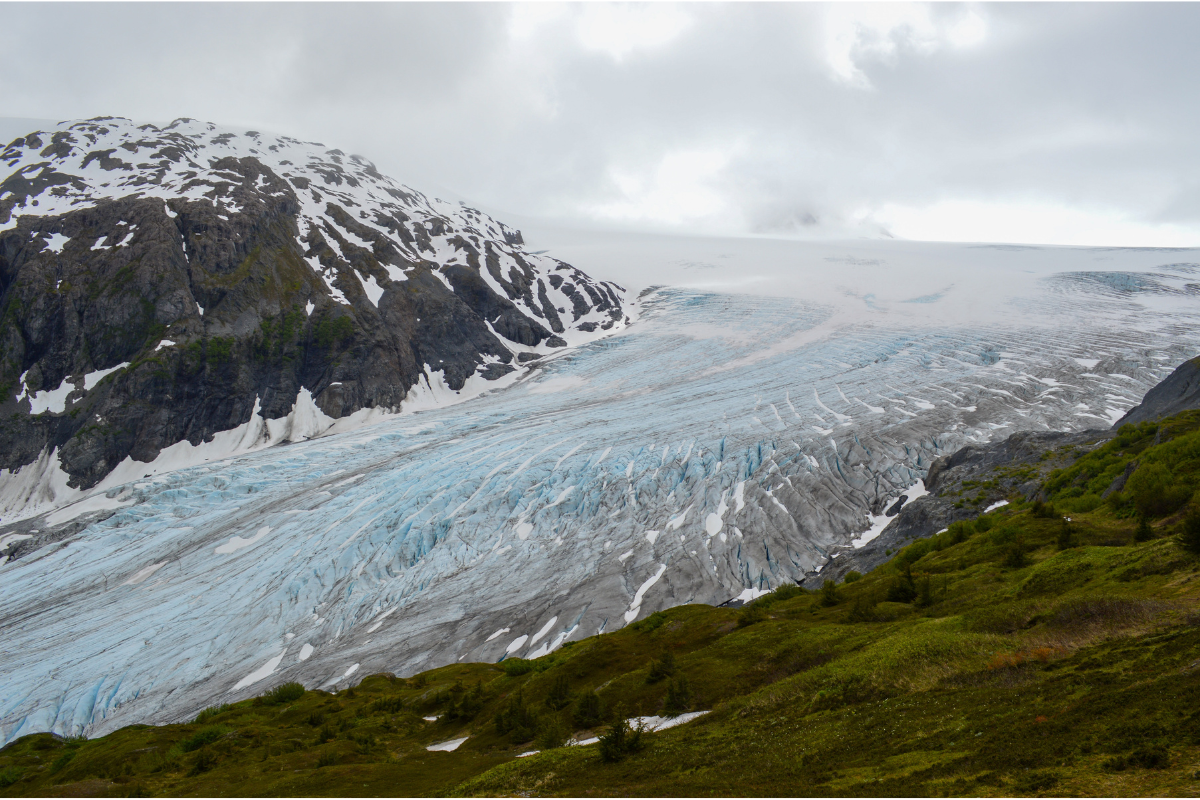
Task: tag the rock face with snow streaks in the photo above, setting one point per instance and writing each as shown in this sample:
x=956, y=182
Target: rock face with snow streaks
x=160, y=285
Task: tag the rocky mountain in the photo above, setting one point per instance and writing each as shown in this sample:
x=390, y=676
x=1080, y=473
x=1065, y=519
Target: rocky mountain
x=162, y=285
x=978, y=475
x=1179, y=392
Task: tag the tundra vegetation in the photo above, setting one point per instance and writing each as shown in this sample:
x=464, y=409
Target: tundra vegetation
x=1018, y=653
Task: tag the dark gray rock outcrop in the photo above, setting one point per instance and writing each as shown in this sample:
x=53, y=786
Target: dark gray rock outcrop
x=160, y=285
x=1179, y=392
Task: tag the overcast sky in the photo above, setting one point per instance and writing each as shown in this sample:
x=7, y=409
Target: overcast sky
x=1074, y=123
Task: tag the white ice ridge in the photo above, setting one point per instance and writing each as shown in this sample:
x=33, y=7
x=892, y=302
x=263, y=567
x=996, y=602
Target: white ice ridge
x=419, y=512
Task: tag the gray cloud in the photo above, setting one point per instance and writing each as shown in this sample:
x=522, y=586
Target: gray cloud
x=803, y=119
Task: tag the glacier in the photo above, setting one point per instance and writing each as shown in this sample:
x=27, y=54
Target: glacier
x=738, y=434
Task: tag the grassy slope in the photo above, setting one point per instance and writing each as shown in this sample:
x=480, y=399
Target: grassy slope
x=1077, y=672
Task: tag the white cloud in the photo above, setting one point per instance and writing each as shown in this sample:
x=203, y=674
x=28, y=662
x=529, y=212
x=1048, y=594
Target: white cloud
x=856, y=32
x=678, y=190
x=618, y=29
x=615, y=29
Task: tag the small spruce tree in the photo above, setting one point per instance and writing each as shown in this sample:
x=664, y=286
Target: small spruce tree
x=1143, y=533
x=1190, y=537
x=829, y=594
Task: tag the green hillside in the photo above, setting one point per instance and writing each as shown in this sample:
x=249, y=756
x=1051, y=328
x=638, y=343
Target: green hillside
x=1015, y=654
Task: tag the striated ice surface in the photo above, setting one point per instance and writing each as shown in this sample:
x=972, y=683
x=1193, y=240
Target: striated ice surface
x=718, y=447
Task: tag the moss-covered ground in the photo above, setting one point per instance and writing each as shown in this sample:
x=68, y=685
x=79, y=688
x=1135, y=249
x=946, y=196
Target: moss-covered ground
x=1016, y=654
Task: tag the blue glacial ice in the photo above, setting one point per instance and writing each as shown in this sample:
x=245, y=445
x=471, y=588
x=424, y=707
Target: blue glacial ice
x=723, y=444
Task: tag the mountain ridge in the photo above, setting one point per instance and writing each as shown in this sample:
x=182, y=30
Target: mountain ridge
x=161, y=285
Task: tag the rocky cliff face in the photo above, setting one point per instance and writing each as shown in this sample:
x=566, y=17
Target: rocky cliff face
x=1179, y=392
x=159, y=285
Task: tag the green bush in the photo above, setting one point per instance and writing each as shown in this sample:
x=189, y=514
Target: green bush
x=1043, y=510
x=750, y=614
x=559, y=696
x=210, y=712
x=620, y=740
x=829, y=594
x=1015, y=554
x=551, y=733
x=1190, y=537
x=326, y=734
x=469, y=704
x=679, y=697
x=516, y=720
x=1066, y=538
x=851, y=576
x=863, y=609
x=902, y=589
x=1153, y=490
x=661, y=668
x=62, y=760
x=587, y=712
x=9, y=776
x=284, y=693
x=203, y=737
x=515, y=667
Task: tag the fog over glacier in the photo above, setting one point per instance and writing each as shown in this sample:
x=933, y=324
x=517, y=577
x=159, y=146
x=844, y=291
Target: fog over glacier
x=756, y=418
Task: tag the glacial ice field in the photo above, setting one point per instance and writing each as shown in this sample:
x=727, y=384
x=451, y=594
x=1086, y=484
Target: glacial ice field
x=724, y=443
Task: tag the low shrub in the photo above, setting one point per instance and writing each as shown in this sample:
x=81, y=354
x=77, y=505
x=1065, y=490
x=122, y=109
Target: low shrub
x=551, y=733
x=1189, y=538
x=621, y=740
x=661, y=668
x=679, y=697
x=284, y=693
x=515, y=667
x=751, y=614
x=587, y=712
x=210, y=712
x=829, y=594
x=203, y=737
x=559, y=696
x=9, y=776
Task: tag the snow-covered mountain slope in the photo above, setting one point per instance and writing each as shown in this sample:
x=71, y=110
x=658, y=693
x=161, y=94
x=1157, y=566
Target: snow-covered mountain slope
x=723, y=444
x=160, y=286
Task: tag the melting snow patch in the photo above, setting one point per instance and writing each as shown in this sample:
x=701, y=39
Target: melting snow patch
x=996, y=505
x=372, y=288
x=236, y=543
x=164, y=343
x=56, y=241
x=262, y=672
x=751, y=594
x=635, y=607
x=651, y=536
x=305, y=652
x=144, y=573
x=498, y=633
x=876, y=523
x=92, y=378
x=447, y=747
x=544, y=630
x=516, y=644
